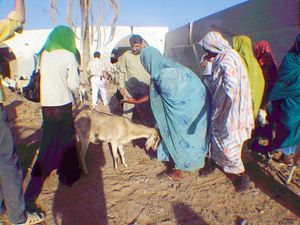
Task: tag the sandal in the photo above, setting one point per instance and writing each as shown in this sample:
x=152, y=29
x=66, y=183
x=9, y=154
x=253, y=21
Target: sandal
x=175, y=175
x=33, y=218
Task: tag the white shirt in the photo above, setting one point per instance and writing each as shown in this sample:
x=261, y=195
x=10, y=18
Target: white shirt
x=95, y=67
x=59, y=76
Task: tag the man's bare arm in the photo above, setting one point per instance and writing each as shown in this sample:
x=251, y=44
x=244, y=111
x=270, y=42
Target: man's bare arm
x=20, y=10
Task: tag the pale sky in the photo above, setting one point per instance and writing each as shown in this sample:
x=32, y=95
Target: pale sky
x=170, y=13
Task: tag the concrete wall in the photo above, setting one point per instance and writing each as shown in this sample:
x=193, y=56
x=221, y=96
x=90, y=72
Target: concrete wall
x=276, y=21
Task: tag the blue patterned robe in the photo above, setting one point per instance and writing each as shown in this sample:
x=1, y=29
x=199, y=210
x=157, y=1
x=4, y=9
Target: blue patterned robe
x=179, y=104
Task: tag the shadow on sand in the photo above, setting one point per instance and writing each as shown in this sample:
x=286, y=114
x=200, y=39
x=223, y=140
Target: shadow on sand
x=270, y=186
x=186, y=216
x=26, y=146
x=84, y=202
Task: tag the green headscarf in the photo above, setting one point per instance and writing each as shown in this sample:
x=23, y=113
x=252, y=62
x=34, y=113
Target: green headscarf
x=243, y=45
x=61, y=37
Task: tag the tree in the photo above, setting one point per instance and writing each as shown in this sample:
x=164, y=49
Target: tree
x=87, y=12
x=85, y=6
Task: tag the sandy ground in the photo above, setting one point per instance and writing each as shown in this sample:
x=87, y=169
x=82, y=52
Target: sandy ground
x=136, y=196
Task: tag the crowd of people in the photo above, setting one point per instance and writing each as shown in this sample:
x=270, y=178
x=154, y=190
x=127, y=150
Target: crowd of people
x=244, y=99
x=204, y=121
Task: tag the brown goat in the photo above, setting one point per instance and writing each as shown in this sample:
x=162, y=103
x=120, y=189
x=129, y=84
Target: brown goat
x=92, y=126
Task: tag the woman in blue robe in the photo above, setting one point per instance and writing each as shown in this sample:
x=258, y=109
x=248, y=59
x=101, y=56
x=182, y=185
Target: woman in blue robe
x=180, y=107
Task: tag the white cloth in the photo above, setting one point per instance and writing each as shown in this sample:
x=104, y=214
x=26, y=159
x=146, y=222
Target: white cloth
x=98, y=84
x=262, y=117
x=95, y=67
x=207, y=70
x=232, y=126
x=59, y=76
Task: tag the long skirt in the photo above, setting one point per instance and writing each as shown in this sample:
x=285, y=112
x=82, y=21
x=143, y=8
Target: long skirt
x=58, y=146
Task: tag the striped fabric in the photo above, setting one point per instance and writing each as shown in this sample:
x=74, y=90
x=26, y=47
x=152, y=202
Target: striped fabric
x=214, y=42
x=229, y=128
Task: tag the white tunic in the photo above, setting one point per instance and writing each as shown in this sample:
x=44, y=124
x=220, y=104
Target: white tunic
x=59, y=76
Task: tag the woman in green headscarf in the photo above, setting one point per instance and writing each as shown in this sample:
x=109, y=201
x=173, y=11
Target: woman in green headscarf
x=59, y=77
x=62, y=37
x=243, y=45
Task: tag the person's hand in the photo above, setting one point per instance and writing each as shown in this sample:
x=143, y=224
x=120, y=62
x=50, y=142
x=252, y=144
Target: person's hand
x=129, y=100
x=135, y=101
x=122, y=92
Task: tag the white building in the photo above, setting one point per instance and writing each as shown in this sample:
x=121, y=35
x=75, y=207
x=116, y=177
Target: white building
x=25, y=45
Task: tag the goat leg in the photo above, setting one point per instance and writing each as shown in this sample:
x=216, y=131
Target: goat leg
x=82, y=154
x=114, y=147
x=122, y=154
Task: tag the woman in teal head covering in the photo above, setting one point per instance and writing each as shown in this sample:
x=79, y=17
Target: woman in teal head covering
x=59, y=77
x=285, y=97
x=178, y=102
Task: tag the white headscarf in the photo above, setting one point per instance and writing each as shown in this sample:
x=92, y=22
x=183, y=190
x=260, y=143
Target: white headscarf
x=214, y=42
